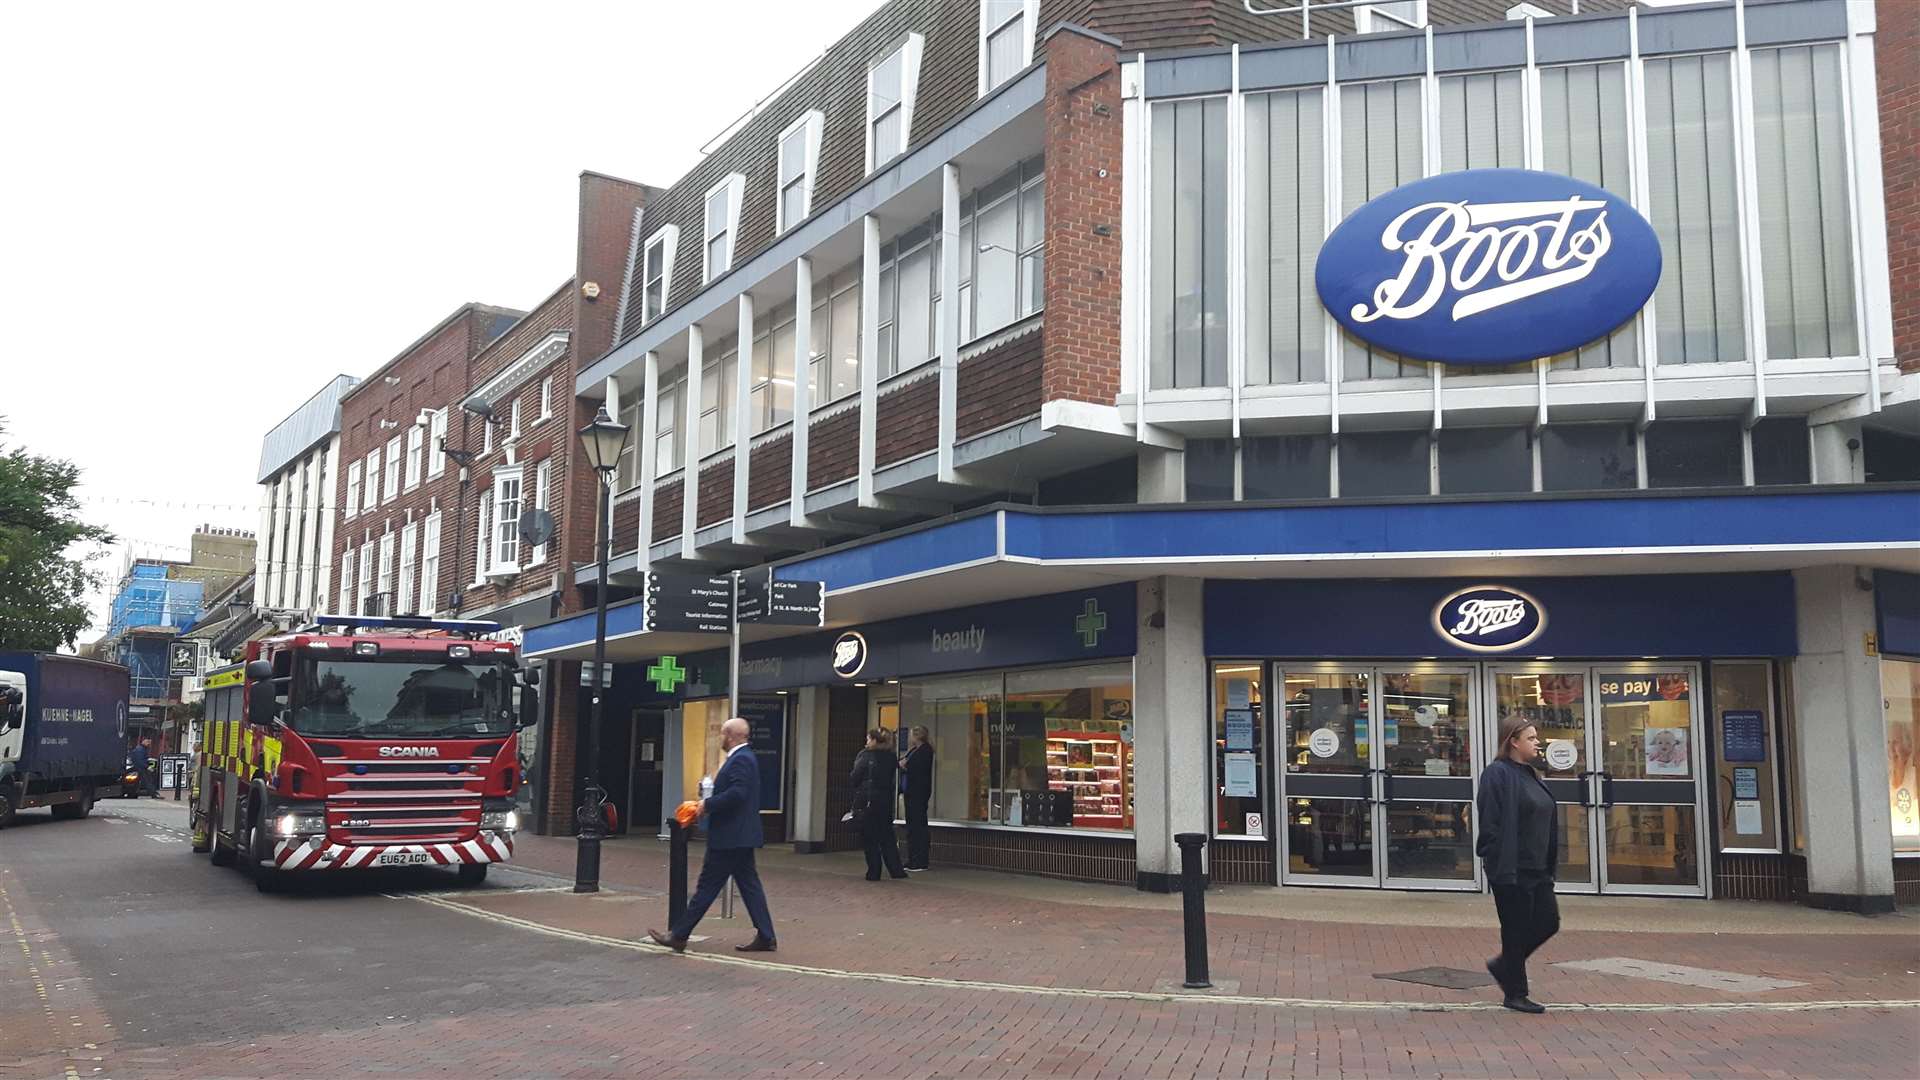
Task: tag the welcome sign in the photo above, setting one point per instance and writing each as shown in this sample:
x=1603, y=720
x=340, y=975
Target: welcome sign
x=1488, y=266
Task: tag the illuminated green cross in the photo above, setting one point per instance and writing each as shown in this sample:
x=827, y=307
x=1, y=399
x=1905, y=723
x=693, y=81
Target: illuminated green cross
x=1089, y=623
x=667, y=674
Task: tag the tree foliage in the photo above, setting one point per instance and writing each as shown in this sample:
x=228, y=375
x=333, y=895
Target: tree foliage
x=44, y=571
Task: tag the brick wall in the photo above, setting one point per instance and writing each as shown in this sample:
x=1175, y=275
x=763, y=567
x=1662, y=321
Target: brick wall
x=1897, y=57
x=716, y=494
x=668, y=499
x=626, y=527
x=562, y=731
x=769, y=473
x=1084, y=129
x=1001, y=385
x=833, y=450
x=907, y=421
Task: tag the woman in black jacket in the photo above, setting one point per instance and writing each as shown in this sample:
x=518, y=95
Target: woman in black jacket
x=873, y=789
x=917, y=764
x=1520, y=845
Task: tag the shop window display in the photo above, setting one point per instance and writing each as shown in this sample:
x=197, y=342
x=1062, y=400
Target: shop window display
x=1239, y=751
x=1900, y=689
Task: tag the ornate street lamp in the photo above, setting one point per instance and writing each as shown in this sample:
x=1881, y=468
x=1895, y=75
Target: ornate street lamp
x=603, y=440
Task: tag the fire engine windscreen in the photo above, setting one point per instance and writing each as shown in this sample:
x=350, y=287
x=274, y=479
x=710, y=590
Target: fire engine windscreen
x=417, y=697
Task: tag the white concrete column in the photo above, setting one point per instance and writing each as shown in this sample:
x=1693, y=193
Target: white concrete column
x=1840, y=733
x=802, y=393
x=690, y=440
x=1171, y=736
x=327, y=499
x=672, y=746
x=1162, y=474
x=649, y=430
x=807, y=816
x=1834, y=460
x=313, y=559
x=742, y=391
x=869, y=354
x=949, y=328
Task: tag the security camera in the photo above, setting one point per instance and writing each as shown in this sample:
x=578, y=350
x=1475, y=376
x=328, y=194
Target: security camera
x=478, y=406
x=424, y=418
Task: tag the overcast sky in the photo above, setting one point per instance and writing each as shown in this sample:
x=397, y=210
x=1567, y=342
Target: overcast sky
x=208, y=209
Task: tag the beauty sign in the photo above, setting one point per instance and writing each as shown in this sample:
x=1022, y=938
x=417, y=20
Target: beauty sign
x=1488, y=266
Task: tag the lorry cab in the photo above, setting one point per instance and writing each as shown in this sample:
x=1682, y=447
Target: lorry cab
x=364, y=742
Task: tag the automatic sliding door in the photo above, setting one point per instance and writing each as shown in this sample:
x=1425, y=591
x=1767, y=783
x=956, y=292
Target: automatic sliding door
x=1425, y=727
x=1555, y=701
x=1649, y=779
x=1326, y=757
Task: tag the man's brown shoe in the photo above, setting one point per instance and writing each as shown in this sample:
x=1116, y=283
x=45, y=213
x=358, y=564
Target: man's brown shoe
x=674, y=943
x=758, y=944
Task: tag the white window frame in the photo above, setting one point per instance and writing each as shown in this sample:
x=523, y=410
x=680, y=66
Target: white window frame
x=390, y=489
x=509, y=493
x=809, y=122
x=667, y=427
x=409, y=554
x=909, y=49
x=656, y=261
x=1370, y=19
x=346, y=582
x=383, y=585
x=372, y=489
x=366, y=578
x=513, y=423
x=546, y=399
x=730, y=188
x=437, y=443
x=483, y=539
x=416, y=447
x=430, y=564
x=542, y=492
x=1030, y=12
x=486, y=437
x=354, y=473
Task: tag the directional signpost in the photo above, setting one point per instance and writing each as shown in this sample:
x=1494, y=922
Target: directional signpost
x=683, y=603
x=781, y=603
x=691, y=604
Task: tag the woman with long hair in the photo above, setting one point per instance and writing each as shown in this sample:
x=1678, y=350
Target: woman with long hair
x=1519, y=844
x=873, y=790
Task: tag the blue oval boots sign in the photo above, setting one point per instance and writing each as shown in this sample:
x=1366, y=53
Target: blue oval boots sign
x=1488, y=266
x=1489, y=618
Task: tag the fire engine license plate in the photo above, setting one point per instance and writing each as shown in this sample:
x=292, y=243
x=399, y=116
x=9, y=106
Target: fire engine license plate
x=403, y=858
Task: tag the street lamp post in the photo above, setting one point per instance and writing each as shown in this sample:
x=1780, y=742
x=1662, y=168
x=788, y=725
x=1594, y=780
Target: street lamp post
x=603, y=440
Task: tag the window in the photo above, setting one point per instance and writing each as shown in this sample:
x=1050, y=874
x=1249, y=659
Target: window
x=1385, y=463
x=1744, y=768
x=1584, y=135
x=626, y=472
x=546, y=397
x=416, y=446
x=346, y=582
x=430, y=564
x=1806, y=244
x=542, y=491
x=666, y=428
x=1588, y=457
x=486, y=436
x=1384, y=16
x=373, y=479
x=1699, y=314
x=506, y=506
x=1239, y=770
x=1209, y=467
x=834, y=368
x=1380, y=149
x=1006, y=40
x=1002, y=251
x=890, y=84
x=1782, y=451
x=656, y=272
x=723, y=213
x=393, y=470
x=770, y=400
x=409, y=546
x=383, y=591
x=1694, y=453
x=1900, y=690
x=1286, y=217
x=1286, y=467
x=483, y=540
x=718, y=378
x=909, y=299
x=1188, y=339
x=1477, y=461
x=799, y=150
x=366, y=581
x=513, y=423
x=353, y=492
x=437, y=440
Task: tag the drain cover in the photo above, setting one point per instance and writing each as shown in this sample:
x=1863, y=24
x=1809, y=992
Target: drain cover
x=1445, y=978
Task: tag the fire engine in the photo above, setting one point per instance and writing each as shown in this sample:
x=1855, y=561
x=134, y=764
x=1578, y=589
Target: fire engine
x=363, y=742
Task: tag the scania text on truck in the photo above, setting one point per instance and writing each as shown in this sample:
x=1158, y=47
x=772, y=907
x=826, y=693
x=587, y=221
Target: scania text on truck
x=63, y=732
x=363, y=742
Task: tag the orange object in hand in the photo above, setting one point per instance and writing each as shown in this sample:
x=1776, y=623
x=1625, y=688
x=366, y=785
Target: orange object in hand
x=687, y=813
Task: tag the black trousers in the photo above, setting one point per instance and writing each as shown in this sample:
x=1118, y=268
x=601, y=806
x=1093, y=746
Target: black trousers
x=1529, y=915
x=917, y=832
x=715, y=869
x=876, y=835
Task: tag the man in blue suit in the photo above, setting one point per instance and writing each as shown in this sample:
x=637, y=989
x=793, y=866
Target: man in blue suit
x=733, y=832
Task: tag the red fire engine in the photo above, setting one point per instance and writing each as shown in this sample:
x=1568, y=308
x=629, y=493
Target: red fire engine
x=363, y=742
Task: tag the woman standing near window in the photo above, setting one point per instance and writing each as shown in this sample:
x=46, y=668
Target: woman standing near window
x=873, y=791
x=917, y=765
x=1520, y=845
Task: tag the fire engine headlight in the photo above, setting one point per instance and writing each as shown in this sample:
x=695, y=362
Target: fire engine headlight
x=500, y=820
x=300, y=824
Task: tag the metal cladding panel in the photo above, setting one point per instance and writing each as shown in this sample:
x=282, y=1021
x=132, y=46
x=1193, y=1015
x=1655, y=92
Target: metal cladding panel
x=1779, y=24
x=1269, y=69
x=1187, y=76
x=1687, y=30
x=1518, y=525
x=1676, y=615
x=1383, y=56
x=311, y=424
x=76, y=713
x=938, y=548
x=1566, y=41
x=1476, y=50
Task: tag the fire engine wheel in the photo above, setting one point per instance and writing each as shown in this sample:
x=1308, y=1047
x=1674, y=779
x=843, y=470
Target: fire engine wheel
x=266, y=878
x=472, y=873
x=222, y=852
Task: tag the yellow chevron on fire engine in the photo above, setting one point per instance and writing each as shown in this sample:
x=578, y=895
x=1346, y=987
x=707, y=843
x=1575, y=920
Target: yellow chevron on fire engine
x=270, y=756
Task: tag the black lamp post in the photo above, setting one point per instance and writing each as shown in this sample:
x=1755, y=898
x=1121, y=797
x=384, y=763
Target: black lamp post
x=603, y=439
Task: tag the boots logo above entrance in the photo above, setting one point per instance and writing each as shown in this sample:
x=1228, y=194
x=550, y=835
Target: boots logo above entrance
x=1488, y=266
x=1489, y=618
x=849, y=654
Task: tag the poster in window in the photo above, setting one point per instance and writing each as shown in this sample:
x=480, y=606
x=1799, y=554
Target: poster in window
x=1667, y=751
x=1239, y=782
x=1743, y=735
x=1239, y=729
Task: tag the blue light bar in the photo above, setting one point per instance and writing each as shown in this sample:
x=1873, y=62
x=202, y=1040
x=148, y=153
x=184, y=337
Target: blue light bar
x=469, y=627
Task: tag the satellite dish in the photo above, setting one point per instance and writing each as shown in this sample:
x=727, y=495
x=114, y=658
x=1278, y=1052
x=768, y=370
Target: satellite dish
x=536, y=528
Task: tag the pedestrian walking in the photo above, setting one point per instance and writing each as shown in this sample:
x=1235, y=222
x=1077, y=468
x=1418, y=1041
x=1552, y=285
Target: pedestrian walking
x=916, y=768
x=874, y=773
x=1519, y=844
x=733, y=832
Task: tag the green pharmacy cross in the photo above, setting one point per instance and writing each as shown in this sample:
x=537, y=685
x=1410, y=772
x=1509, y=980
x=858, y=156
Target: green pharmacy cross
x=667, y=674
x=1089, y=623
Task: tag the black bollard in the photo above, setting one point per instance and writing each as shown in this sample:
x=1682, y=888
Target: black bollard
x=1193, y=904
x=676, y=872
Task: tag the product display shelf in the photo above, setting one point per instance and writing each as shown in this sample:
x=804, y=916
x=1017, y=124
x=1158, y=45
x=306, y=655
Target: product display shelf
x=1098, y=770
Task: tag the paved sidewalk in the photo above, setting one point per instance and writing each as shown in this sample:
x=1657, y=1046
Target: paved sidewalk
x=1315, y=945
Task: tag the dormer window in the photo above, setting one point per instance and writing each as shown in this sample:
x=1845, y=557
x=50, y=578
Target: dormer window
x=799, y=150
x=1385, y=16
x=723, y=215
x=890, y=85
x=656, y=272
x=1006, y=40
